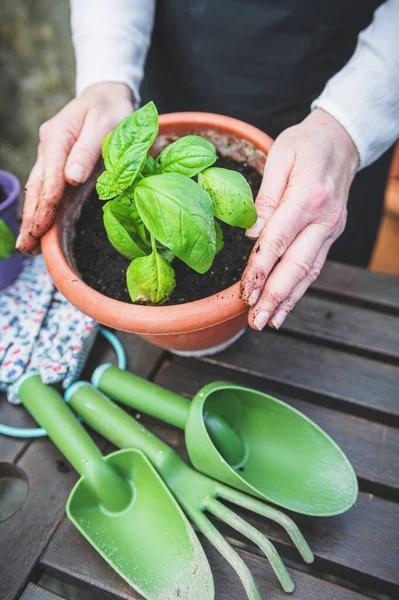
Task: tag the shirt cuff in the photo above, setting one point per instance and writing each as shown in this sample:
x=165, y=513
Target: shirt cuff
x=364, y=96
x=111, y=41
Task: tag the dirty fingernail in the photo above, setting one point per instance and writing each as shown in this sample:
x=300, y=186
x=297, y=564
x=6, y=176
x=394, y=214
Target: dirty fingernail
x=279, y=319
x=32, y=226
x=253, y=297
x=261, y=319
x=256, y=229
x=76, y=173
x=18, y=241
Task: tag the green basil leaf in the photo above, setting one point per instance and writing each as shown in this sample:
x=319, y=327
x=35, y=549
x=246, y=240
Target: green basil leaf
x=140, y=227
x=219, y=237
x=127, y=198
x=105, y=186
x=189, y=156
x=150, y=279
x=7, y=241
x=231, y=196
x=127, y=146
x=121, y=230
x=165, y=253
x=178, y=213
x=149, y=166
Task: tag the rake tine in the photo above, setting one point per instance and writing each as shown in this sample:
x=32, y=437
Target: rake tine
x=271, y=513
x=239, y=524
x=235, y=561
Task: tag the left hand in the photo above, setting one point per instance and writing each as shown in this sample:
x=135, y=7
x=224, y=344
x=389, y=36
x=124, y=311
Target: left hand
x=69, y=147
x=301, y=208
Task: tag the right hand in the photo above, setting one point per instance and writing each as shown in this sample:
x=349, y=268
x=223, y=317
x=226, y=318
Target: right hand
x=69, y=147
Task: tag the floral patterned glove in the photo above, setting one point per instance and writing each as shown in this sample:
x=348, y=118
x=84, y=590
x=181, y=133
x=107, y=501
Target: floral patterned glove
x=40, y=330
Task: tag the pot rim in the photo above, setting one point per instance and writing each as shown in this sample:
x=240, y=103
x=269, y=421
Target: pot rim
x=12, y=190
x=155, y=320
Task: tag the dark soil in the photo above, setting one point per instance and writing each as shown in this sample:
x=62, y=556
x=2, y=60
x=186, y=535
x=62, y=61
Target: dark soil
x=104, y=269
x=3, y=195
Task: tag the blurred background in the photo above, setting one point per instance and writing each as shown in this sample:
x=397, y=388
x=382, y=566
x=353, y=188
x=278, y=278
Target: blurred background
x=37, y=80
x=37, y=75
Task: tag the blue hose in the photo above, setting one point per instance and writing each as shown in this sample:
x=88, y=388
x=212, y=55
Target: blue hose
x=26, y=433
x=117, y=346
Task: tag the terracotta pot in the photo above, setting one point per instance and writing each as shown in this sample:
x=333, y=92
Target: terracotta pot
x=201, y=327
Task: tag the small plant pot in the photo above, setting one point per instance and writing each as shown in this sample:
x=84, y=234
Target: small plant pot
x=196, y=328
x=10, y=268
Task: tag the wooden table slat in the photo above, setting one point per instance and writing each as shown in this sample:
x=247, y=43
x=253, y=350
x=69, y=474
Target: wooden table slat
x=359, y=545
x=356, y=381
x=35, y=592
x=70, y=555
x=358, y=329
x=142, y=357
x=24, y=536
x=359, y=285
x=16, y=416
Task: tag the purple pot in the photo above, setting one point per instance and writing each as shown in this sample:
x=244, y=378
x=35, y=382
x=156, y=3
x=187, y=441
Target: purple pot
x=10, y=267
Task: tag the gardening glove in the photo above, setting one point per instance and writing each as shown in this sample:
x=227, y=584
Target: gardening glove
x=40, y=330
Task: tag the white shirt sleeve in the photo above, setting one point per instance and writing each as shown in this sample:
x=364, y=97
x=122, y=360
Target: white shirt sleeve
x=111, y=40
x=364, y=95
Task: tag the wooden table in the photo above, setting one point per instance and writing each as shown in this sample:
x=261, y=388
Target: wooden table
x=337, y=360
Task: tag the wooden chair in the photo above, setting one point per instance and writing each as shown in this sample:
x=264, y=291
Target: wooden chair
x=386, y=252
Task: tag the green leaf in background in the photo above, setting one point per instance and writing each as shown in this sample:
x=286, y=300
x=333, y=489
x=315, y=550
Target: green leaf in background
x=121, y=230
x=126, y=148
x=7, y=241
x=165, y=253
x=149, y=166
x=150, y=279
x=105, y=186
x=189, y=156
x=178, y=213
x=231, y=196
x=219, y=237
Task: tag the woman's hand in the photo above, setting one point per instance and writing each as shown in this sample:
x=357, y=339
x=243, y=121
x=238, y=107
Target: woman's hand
x=69, y=147
x=301, y=211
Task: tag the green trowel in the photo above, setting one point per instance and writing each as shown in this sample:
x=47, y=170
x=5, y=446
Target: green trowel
x=248, y=440
x=195, y=492
x=123, y=508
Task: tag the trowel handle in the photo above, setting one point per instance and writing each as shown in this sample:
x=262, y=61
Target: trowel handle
x=112, y=422
x=142, y=395
x=48, y=408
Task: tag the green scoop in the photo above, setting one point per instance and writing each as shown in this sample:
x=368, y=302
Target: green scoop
x=248, y=440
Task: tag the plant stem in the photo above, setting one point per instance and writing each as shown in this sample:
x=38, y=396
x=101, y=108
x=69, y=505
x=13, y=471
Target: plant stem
x=153, y=244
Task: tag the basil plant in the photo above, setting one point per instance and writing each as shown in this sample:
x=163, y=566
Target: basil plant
x=156, y=211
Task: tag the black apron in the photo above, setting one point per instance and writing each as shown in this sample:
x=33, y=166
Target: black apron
x=264, y=61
